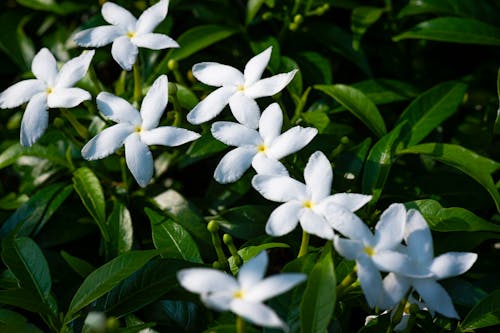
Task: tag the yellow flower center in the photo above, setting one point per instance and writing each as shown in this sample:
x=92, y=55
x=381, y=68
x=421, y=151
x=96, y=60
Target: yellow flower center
x=239, y=294
x=261, y=148
x=241, y=87
x=369, y=250
x=308, y=204
x=138, y=129
x=130, y=34
x=49, y=90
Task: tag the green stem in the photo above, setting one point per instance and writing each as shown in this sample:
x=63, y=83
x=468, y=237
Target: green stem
x=240, y=325
x=137, y=82
x=346, y=283
x=213, y=228
x=80, y=129
x=304, y=244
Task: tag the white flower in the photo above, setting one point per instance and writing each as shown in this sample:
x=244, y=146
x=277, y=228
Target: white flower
x=238, y=89
x=376, y=252
x=136, y=130
x=50, y=89
x=127, y=33
x=421, y=250
x=243, y=296
x=307, y=202
x=262, y=149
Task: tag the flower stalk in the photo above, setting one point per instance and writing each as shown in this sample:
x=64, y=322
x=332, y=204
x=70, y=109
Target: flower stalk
x=213, y=228
x=240, y=325
x=304, y=244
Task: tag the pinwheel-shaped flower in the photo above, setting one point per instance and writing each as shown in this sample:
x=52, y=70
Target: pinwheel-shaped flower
x=136, y=130
x=127, y=33
x=243, y=296
x=307, y=202
x=238, y=89
x=420, y=248
x=262, y=149
x=50, y=89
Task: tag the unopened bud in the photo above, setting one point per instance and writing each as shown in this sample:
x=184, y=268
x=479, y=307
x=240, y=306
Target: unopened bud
x=172, y=64
x=267, y=16
x=298, y=19
x=172, y=89
x=212, y=226
x=227, y=239
x=293, y=26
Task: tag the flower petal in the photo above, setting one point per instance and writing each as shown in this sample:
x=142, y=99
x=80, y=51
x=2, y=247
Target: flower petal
x=206, y=280
x=435, y=296
x=253, y=271
x=152, y=16
x=35, y=120
x=233, y=165
x=245, y=110
x=154, y=103
x=44, y=66
x=395, y=288
x=347, y=223
x=256, y=66
x=168, y=136
x=215, y=74
x=351, y=201
x=389, y=231
x=118, y=15
x=393, y=261
x=124, y=52
x=318, y=176
x=98, y=36
x=270, y=123
x=315, y=224
x=117, y=109
x=20, y=93
x=67, y=97
x=74, y=70
x=418, y=238
x=348, y=248
x=452, y=264
x=211, y=106
x=220, y=301
x=270, y=86
x=273, y=285
x=264, y=165
x=279, y=188
x=284, y=218
x=107, y=142
x=154, y=41
x=256, y=313
x=291, y=141
x=139, y=159
x=370, y=280
x=233, y=134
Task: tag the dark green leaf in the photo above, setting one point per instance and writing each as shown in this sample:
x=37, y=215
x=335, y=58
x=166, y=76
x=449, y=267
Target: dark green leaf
x=383, y=91
x=249, y=252
x=361, y=19
x=14, y=152
x=11, y=321
x=244, y=222
x=24, y=299
x=62, y=8
x=202, y=148
x=359, y=105
x=187, y=99
x=253, y=7
x=315, y=67
x=484, y=314
x=229, y=329
x=260, y=45
x=12, y=201
x=120, y=229
x=80, y=266
x=295, y=86
x=13, y=40
x=496, y=129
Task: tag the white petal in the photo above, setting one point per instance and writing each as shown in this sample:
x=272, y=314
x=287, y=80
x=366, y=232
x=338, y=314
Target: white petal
x=269, y=86
x=152, y=16
x=418, y=238
x=233, y=165
x=215, y=74
x=117, y=109
x=318, y=176
x=74, y=70
x=35, y=120
x=168, y=136
x=256, y=313
x=435, y=296
x=139, y=159
x=284, y=218
x=220, y=301
x=67, y=97
x=452, y=264
x=154, y=41
x=154, y=103
x=395, y=288
x=347, y=223
x=291, y=141
x=270, y=123
x=370, y=280
x=315, y=224
x=107, y=142
x=44, y=66
x=124, y=52
x=350, y=201
x=98, y=36
x=118, y=15
x=264, y=165
x=392, y=261
x=253, y=271
x=349, y=249
x=211, y=106
x=20, y=93
x=389, y=231
x=245, y=110
x=233, y=134
x=256, y=66
x=279, y=188
x=273, y=285
x=206, y=280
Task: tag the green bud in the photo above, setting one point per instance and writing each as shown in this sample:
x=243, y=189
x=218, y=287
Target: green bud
x=59, y=122
x=216, y=264
x=212, y=226
x=172, y=89
x=298, y=19
x=172, y=64
x=293, y=26
x=227, y=239
x=267, y=16
x=112, y=324
x=344, y=140
x=190, y=76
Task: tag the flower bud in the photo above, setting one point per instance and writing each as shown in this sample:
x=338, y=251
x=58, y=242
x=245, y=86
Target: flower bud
x=267, y=16
x=172, y=64
x=298, y=19
x=212, y=226
x=227, y=239
x=293, y=26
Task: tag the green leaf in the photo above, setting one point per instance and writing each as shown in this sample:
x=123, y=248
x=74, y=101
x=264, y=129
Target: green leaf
x=450, y=219
x=89, y=189
x=315, y=67
x=361, y=19
x=253, y=7
x=10, y=155
x=203, y=147
x=62, y=8
x=245, y=222
x=120, y=229
x=384, y=91
x=295, y=86
x=496, y=129
x=172, y=239
x=486, y=313
x=12, y=201
x=80, y=266
x=13, y=40
x=454, y=30
x=106, y=277
x=318, y=302
x=249, y=252
x=431, y=108
x=359, y=105
x=24, y=299
x=230, y=328
x=478, y=167
x=11, y=321
x=260, y=45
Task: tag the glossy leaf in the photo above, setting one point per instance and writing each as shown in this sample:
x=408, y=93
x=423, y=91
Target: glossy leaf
x=80, y=266
x=486, y=313
x=120, y=228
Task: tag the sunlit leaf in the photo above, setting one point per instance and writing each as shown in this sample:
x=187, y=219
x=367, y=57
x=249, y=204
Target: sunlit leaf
x=486, y=313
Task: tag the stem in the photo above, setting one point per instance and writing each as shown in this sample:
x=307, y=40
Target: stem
x=137, y=82
x=80, y=129
x=240, y=325
x=346, y=283
x=304, y=244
